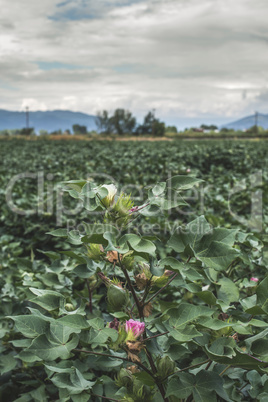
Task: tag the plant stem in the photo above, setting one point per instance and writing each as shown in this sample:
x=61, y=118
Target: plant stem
x=141, y=315
x=208, y=365
x=91, y=352
x=131, y=288
x=105, y=397
x=188, y=368
x=160, y=290
x=156, y=336
x=89, y=295
x=226, y=368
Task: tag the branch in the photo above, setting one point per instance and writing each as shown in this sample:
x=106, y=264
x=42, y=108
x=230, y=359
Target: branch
x=90, y=352
x=160, y=290
x=105, y=397
x=188, y=368
x=89, y=296
x=156, y=336
x=140, y=310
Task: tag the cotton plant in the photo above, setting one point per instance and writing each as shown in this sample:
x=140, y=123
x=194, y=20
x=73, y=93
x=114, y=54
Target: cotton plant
x=139, y=328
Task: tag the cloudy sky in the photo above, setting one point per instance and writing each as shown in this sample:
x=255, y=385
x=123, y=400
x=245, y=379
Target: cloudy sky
x=187, y=59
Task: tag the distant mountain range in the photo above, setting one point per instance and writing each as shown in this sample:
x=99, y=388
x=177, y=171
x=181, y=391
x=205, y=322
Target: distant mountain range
x=49, y=120
x=249, y=121
x=65, y=119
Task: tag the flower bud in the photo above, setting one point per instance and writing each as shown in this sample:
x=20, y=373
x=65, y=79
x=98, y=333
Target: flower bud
x=165, y=367
x=254, y=279
x=117, y=297
x=141, y=391
x=118, y=214
x=109, y=199
x=95, y=251
x=134, y=329
x=124, y=378
x=69, y=307
x=114, y=324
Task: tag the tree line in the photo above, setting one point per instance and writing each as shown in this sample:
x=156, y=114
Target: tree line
x=122, y=122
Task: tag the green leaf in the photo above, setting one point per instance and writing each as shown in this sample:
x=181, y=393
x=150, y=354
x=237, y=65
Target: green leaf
x=186, y=313
x=59, y=233
x=30, y=325
x=159, y=188
x=76, y=185
x=182, y=182
x=260, y=348
x=174, y=265
x=223, y=351
x=262, y=295
x=181, y=385
x=213, y=248
x=190, y=235
x=50, y=350
x=48, y=299
x=218, y=255
x=145, y=378
x=213, y=323
x=60, y=331
x=228, y=291
x=96, y=323
x=94, y=233
x=103, y=335
x=7, y=363
x=208, y=297
x=185, y=334
x=74, y=382
x=250, y=307
x=139, y=244
x=203, y=386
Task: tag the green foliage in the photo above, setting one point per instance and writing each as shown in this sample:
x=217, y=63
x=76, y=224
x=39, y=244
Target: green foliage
x=206, y=328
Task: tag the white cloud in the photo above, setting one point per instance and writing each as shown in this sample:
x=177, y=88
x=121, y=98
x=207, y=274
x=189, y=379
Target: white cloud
x=184, y=58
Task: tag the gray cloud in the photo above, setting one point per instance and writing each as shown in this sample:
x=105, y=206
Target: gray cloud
x=184, y=58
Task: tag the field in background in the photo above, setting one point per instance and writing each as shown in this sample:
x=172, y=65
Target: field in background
x=227, y=168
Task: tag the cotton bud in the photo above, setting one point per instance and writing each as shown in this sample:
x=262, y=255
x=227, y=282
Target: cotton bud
x=124, y=378
x=92, y=280
x=142, y=392
x=162, y=280
x=119, y=214
x=117, y=297
x=165, y=367
x=69, y=307
x=109, y=199
x=95, y=252
x=128, y=260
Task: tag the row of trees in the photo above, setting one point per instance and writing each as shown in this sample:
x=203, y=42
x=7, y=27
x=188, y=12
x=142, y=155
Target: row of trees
x=122, y=122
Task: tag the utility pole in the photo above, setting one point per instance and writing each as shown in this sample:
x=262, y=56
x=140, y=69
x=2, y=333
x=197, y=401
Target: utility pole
x=27, y=117
x=153, y=122
x=256, y=120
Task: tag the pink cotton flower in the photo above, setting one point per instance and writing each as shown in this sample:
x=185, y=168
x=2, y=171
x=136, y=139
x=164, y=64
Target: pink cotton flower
x=254, y=279
x=135, y=327
x=188, y=170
